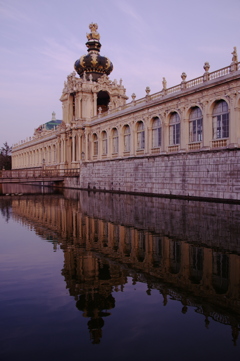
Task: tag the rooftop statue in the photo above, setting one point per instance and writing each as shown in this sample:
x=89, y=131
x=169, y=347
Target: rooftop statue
x=235, y=55
x=94, y=34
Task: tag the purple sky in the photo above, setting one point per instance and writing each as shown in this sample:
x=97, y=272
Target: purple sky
x=146, y=41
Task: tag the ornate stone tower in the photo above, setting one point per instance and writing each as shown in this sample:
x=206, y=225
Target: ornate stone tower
x=93, y=93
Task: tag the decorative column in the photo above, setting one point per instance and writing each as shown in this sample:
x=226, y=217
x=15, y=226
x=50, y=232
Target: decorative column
x=233, y=120
x=148, y=135
x=165, y=133
x=63, y=150
x=207, y=124
x=132, y=137
x=184, y=130
x=79, y=152
x=73, y=148
x=86, y=145
x=94, y=104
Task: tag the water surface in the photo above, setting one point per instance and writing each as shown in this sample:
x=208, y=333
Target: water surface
x=118, y=277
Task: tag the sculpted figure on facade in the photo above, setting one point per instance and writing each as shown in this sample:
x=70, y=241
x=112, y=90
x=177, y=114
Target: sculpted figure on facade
x=104, y=80
x=234, y=55
x=164, y=84
x=65, y=88
x=71, y=83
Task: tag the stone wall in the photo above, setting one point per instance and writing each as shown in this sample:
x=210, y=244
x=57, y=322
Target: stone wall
x=207, y=174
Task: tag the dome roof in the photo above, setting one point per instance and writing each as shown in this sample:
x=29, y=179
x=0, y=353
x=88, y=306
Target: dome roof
x=93, y=64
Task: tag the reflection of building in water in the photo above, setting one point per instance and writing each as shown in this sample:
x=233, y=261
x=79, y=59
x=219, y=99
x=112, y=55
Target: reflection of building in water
x=179, y=251
x=91, y=280
x=20, y=188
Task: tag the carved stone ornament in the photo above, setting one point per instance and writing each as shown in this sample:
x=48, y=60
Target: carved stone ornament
x=104, y=80
x=206, y=66
x=184, y=76
x=62, y=126
x=147, y=90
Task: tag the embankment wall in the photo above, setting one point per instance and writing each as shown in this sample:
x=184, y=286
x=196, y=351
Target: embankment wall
x=204, y=174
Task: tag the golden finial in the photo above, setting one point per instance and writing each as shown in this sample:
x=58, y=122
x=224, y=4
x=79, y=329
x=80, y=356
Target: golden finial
x=94, y=34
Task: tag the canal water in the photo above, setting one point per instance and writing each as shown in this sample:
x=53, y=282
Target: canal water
x=99, y=276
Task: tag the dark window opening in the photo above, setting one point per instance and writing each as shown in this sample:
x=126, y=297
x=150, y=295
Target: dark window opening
x=73, y=103
x=103, y=100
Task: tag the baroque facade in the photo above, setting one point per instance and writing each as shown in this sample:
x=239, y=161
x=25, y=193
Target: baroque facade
x=203, y=113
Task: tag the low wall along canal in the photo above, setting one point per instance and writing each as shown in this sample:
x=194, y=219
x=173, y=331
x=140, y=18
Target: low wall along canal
x=205, y=174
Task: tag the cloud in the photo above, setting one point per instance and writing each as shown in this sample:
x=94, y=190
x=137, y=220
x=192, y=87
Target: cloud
x=212, y=49
x=4, y=50
x=129, y=10
x=62, y=56
x=10, y=12
x=135, y=19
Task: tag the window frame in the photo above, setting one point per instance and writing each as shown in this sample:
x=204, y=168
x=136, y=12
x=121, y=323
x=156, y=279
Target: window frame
x=115, y=141
x=104, y=143
x=95, y=145
x=174, y=129
x=140, y=135
x=126, y=138
x=156, y=132
x=195, y=125
x=220, y=120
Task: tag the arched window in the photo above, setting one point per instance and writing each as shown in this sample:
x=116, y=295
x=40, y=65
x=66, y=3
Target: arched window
x=175, y=256
x=196, y=264
x=174, y=129
x=156, y=133
x=140, y=135
x=126, y=138
x=195, y=125
x=95, y=144
x=220, y=276
x=104, y=143
x=220, y=120
x=103, y=100
x=114, y=141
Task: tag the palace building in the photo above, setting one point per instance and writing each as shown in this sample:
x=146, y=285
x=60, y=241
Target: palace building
x=183, y=140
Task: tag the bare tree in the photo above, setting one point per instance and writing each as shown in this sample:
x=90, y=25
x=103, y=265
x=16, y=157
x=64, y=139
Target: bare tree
x=5, y=156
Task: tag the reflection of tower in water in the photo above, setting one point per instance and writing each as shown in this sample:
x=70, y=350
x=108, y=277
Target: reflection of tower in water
x=91, y=280
x=94, y=305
